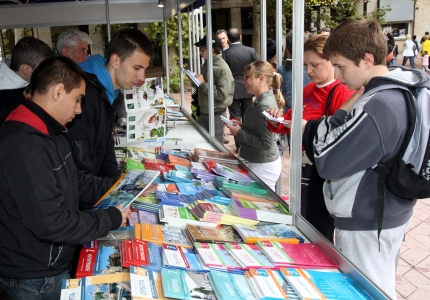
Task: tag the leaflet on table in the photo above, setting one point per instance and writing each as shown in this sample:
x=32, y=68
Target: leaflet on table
x=147, y=123
x=130, y=186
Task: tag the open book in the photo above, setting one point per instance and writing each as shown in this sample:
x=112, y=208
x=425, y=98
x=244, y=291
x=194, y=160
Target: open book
x=191, y=75
x=279, y=120
x=127, y=189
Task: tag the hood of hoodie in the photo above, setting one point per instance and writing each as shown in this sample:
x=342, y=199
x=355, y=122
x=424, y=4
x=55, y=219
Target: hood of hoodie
x=9, y=80
x=398, y=75
x=96, y=64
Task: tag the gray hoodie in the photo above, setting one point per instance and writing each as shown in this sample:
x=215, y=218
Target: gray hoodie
x=9, y=80
x=348, y=145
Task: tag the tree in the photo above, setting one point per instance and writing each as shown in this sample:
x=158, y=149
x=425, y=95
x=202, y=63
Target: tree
x=156, y=29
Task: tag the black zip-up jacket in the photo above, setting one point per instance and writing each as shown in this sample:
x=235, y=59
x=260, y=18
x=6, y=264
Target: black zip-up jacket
x=40, y=194
x=90, y=134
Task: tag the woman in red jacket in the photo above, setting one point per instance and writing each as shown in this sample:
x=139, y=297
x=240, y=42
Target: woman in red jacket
x=324, y=95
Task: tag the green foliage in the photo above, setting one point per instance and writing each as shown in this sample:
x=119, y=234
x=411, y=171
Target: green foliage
x=174, y=79
x=102, y=28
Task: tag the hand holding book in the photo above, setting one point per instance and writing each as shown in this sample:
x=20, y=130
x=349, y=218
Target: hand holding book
x=275, y=116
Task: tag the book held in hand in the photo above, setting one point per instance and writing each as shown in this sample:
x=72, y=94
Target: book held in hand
x=130, y=186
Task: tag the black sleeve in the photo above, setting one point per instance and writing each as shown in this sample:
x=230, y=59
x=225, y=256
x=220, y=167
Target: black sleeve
x=91, y=189
x=109, y=166
x=309, y=135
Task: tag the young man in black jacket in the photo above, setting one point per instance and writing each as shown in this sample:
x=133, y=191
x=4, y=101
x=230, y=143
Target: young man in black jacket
x=41, y=189
x=90, y=134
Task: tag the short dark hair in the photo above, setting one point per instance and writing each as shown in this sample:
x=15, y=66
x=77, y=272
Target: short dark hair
x=126, y=41
x=343, y=41
x=233, y=35
x=221, y=31
x=54, y=70
x=29, y=51
x=271, y=48
x=427, y=33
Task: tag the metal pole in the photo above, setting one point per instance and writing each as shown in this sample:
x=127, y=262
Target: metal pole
x=279, y=52
x=209, y=64
x=278, y=64
x=166, y=54
x=107, y=19
x=190, y=45
x=263, y=29
x=181, y=64
x=297, y=95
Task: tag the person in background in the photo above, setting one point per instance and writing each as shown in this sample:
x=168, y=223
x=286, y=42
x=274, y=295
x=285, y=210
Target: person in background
x=41, y=189
x=223, y=87
x=26, y=56
x=426, y=45
x=325, y=31
x=414, y=39
x=367, y=129
x=426, y=34
x=392, y=43
x=425, y=61
x=222, y=35
x=287, y=73
x=257, y=143
x=237, y=57
x=408, y=52
x=90, y=134
x=271, y=53
x=323, y=96
x=74, y=44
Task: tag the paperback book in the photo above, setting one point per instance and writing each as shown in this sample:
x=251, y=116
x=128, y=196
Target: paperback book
x=116, y=286
x=127, y=188
x=162, y=235
x=229, y=286
x=181, y=258
x=202, y=233
x=268, y=232
x=145, y=284
x=248, y=256
x=266, y=211
x=264, y=284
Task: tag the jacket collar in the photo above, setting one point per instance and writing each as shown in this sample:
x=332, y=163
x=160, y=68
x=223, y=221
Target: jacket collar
x=264, y=95
x=33, y=115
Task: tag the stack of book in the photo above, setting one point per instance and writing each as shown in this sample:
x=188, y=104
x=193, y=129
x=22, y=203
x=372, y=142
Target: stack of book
x=268, y=232
x=267, y=211
x=216, y=257
x=208, y=234
x=180, y=216
x=227, y=157
x=176, y=176
x=160, y=234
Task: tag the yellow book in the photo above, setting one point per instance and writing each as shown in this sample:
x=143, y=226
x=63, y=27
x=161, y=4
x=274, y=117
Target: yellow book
x=160, y=234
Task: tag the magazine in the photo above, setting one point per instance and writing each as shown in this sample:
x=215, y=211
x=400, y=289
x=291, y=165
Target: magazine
x=127, y=188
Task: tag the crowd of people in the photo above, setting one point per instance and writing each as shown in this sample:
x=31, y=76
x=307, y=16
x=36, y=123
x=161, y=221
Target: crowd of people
x=57, y=152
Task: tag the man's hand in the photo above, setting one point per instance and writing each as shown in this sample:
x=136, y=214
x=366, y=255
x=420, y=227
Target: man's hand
x=200, y=78
x=126, y=214
x=352, y=100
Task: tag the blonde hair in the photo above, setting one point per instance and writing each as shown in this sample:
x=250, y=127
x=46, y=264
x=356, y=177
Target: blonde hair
x=273, y=80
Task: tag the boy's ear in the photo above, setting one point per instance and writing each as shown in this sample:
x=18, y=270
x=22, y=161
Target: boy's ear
x=114, y=61
x=369, y=59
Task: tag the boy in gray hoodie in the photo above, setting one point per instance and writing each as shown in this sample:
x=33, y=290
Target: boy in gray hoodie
x=369, y=128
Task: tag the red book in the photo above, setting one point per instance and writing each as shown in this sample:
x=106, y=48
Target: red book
x=158, y=167
x=140, y=253
x=86, y=262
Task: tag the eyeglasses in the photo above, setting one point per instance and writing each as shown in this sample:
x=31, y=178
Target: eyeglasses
x=84, y=53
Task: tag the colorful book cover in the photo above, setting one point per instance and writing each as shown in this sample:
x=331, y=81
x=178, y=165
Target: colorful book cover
x=145, y=284
x=155, y=255
x=133, y=184
x=307, y=254
x=217, y=255
x=164, y=235
x=181, y=258
x=267, y=211
x=274, y=253
x=181, y=284
x=147, y=123
x=201, y=233
x=148, y=217
x=336, y=285
x=268, y=232
x=71, y=289
x=108, y=260
x=248, y=256
x=229, y=286
x=266, y=284
x=149, y=94
x=86, y=262
x=112, y=286
x=304, y=288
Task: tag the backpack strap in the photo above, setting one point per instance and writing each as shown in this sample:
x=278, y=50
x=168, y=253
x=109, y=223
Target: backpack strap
x=330, y=96
x=382, y=170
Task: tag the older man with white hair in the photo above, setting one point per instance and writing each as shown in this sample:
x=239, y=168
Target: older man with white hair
x=74, y=44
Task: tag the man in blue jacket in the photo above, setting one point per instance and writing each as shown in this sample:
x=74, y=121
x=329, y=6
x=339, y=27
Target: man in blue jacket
x=41, y=190
x=90, y=134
